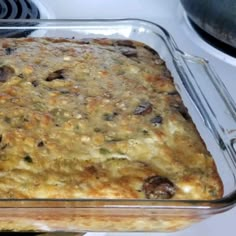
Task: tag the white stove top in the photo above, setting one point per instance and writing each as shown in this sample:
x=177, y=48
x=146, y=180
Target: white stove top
x=169, y=14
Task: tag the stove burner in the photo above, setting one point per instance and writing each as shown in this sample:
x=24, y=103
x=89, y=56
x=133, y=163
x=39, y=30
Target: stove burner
x=20, y=234
x=17, y=9
x=214, y=41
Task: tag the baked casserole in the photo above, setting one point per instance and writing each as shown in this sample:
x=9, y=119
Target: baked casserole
x=97, y=118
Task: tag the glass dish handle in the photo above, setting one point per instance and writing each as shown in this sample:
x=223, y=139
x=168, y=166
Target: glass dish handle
x=207, y=92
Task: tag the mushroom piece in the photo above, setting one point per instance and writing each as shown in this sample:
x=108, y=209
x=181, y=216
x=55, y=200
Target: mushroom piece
x=125, y=43
x=143, y=108
x=182, y=110
x=58, y=74
x=158, y=187
x=129, y=52
x=156, y=120
x=5, y=73
x=9, y=51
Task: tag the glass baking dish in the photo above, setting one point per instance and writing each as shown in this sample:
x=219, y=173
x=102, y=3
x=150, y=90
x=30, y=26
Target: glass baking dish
x=212, y=110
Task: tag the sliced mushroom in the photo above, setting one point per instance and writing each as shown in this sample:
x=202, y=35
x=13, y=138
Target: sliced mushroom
x=21, y=76
x=158, y=187
x=125, y=43
x=58, y=74
x=35, y=83
x=184, y=113
x=150, y=50
x=6, y=72
x=84, y=41
x=28, y=159
x=182, y=110
x=143, y=108
x=156, y=120
x=40, y=144
x=172, y=93
x=129, y=52
x=9, y=51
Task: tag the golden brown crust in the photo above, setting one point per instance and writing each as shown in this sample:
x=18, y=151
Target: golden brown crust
x=95, y=119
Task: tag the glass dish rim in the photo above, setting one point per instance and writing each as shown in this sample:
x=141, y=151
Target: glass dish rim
x=225, y=202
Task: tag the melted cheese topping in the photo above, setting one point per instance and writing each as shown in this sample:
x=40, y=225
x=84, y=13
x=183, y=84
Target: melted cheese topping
x=94, y=120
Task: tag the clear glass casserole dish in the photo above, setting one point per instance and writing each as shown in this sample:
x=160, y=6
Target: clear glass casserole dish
x=212, y=110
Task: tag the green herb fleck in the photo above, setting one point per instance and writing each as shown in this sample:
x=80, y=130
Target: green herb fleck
x=77, y=127
x=64, y=92
x=97, y=130
x=7, y=119
x=109, y=116
x=113, y=139
x=120, y=152
x=4, y=146
x=104, y=151
x=145, y=132
x=213, y=192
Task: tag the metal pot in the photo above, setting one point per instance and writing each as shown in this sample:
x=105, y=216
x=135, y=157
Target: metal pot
x=216, y=17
